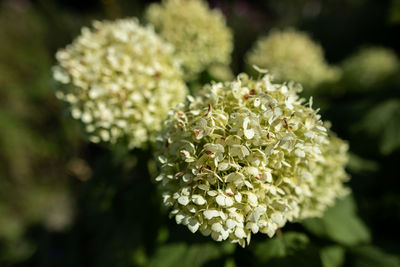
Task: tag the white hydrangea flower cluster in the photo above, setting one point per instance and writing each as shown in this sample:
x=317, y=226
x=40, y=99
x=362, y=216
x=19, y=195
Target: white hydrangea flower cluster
x=199, y=34
x=240, y=157
x=292, y=55
x=120, y=79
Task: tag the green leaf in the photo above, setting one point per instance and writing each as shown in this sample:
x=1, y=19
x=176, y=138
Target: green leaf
x=139, y=257
x=383, y=122
x=304, y=257
x=369, y=256
x=358, y=164
x=230, y=262
x=294, y=241
x=168, y=255
x=279, y=247
x=179, y=254
x=332, y=256
x=340, y=223
x=273, y=248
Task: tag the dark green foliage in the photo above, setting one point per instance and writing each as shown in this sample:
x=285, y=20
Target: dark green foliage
x=340, y=224
x=383, y=123
x=332, y=256
x=287, y=249
x=180, y=254
x=281, y=246
x=371, y=256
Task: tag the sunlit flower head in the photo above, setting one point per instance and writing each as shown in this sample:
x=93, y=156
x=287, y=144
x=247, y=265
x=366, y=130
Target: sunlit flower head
x=199, y=34
x=238, y=158
x=292, y=55
x=119, y=79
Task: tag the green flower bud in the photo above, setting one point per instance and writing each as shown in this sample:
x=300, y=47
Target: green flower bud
x=292, y=55
x=119, y=79
x=239, y=158
x=200, y=35
x=369, y=67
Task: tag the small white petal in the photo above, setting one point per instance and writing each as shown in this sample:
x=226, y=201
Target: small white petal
x=248, y=184
x=183, y=200
x=198, y=200
x=220, y=200
x=204, y=187
x=252, y=198
x=299, y=153
x=217, y=227
x=228, y=202
x=159, y=178
x=224, y=234
x=209, y=214
x=212, y=193
x=230, y=223
x=193, y=225
x=186, y=178
x=268, y=177
x=277, y=218
x=179, y=218
x=223, y=166
x=238, y=197
x=239, y=233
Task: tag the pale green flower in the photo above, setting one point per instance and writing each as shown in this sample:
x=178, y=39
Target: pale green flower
x=329, y=174
x=238, y=158
x=119, y=79
x=369, y=67
x=199, y=34
x=292, y=55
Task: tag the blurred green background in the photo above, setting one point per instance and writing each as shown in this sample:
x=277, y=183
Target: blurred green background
x=66, y=202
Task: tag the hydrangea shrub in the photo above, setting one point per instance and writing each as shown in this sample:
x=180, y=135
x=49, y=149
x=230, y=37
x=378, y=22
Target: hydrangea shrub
x=247, y=156
x=119, y=79
x=199, y=34
x=292, y=55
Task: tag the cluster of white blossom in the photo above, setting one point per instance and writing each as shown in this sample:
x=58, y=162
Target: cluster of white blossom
x=245, y=157
x=241, y=157
x=120, y=79
x=292, y=55
x=199, y=34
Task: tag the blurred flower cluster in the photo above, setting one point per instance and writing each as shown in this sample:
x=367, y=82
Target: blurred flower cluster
x=293, y=55
x=370, y=67
x=119, y=79
x=199, y=34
